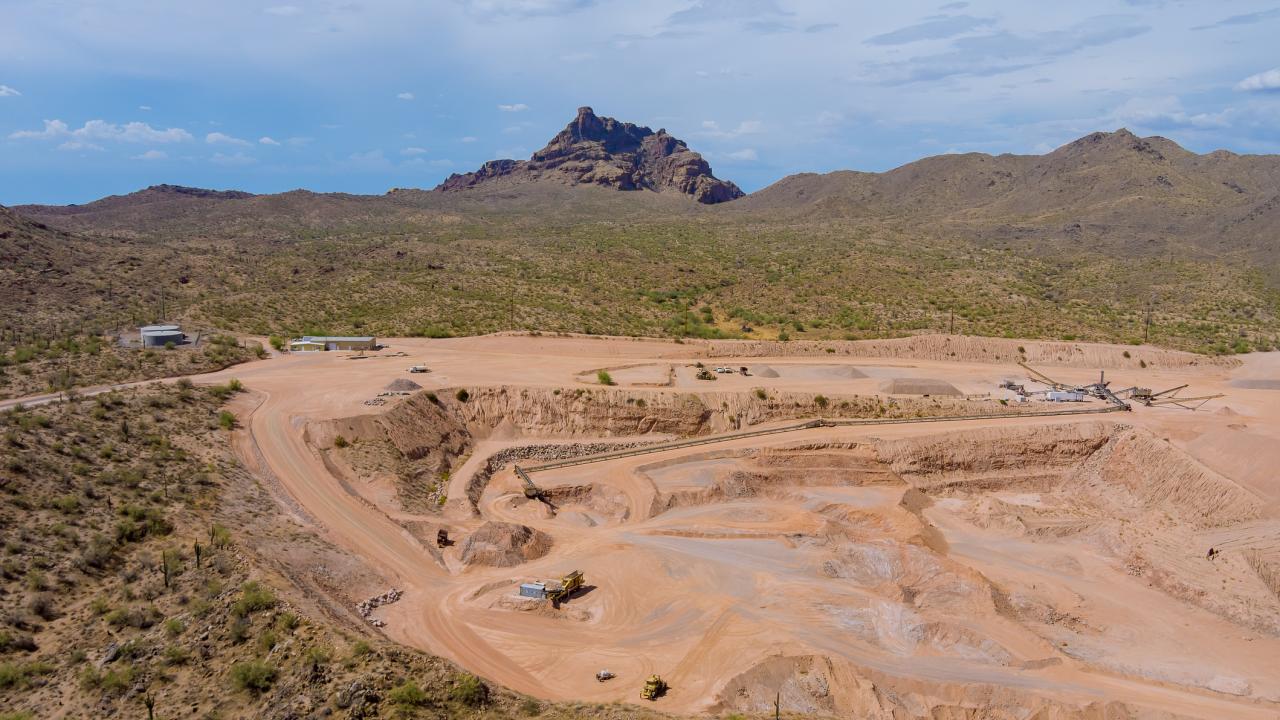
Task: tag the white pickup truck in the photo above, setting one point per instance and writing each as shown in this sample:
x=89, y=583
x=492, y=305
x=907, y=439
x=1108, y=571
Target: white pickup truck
x=418, y=369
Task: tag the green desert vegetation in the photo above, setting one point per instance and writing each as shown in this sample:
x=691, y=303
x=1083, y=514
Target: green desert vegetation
x=130, y=572
x=31, y=365
x=423, y=264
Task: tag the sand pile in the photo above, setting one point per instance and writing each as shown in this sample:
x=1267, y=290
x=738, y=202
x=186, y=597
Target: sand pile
x=918, y=386
x=763, y=371
x=403, y=385
x=847, y=372
x=498, y=544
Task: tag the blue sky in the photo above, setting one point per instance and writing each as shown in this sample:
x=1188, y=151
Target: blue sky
x=100, y=97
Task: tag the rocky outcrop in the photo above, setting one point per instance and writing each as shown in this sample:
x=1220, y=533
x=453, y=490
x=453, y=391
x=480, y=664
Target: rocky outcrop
x=593, y=150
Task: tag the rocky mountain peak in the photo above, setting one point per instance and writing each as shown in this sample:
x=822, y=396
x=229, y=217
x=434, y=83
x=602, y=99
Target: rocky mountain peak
x=594, y=150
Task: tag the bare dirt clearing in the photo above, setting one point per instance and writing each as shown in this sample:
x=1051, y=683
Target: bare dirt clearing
x=1018, y=563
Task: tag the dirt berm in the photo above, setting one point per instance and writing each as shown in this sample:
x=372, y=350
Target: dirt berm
x=498, y=544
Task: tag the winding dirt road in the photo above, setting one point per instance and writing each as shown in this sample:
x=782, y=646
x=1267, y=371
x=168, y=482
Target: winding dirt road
x=705, y=592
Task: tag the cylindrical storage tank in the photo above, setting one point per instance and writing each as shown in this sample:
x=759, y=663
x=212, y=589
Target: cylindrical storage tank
x=160, y=338
x=158, y=328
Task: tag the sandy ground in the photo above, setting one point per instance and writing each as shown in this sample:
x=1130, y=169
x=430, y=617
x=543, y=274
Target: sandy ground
x=704, y=563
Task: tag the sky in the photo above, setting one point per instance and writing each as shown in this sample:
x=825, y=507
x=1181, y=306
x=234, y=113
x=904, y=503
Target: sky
x=102, y=97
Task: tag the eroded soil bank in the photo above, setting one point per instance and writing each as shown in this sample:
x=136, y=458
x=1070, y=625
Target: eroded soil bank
x=1016, y=570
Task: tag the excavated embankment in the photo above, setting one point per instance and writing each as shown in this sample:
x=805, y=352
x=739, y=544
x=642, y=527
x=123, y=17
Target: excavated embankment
x=1112, y=463
x=968, y=348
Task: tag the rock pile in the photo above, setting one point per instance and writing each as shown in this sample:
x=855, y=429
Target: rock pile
x=366, y=607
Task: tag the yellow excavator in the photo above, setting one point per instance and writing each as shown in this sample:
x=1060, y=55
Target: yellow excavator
x=654, y=687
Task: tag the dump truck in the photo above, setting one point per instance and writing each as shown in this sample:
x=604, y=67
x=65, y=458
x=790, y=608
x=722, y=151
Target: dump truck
x=654, y=686
x=565, y=587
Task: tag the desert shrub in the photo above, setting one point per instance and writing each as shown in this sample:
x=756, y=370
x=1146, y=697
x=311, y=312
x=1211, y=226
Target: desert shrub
x=176, y=655
x=469, y=690
x=340, y=442
x=761, y=394
x=253, y=597
x=605, y=378
x=267, y=641
x=238, y=631
x=19, y=674
x=407, y=694
x=253, y=676
x=226, y=420
x=462, y=395
x=137, y=617
x=820, y=400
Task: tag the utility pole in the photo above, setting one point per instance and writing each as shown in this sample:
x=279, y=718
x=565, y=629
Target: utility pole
x=951, y=323
x=1146, y=330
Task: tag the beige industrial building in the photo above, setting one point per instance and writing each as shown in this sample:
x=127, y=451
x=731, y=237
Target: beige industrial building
x=315, y=343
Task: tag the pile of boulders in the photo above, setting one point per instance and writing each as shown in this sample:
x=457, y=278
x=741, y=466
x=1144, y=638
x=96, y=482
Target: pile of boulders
x=366, y=607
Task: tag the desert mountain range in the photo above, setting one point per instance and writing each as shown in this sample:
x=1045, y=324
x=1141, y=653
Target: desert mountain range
x=1056, y=244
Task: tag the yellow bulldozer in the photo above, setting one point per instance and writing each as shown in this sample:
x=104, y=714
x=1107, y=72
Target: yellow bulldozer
x=653, y=688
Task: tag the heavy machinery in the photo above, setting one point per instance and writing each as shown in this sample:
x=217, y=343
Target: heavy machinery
x=564, y=588
x=531, y=491
x=1167, y=397
x=442, y=538
x=654, y=687
x=1062, y=391
x=603, y=675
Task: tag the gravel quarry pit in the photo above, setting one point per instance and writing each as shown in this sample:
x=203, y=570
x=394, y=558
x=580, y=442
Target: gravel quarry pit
x=1003, y=567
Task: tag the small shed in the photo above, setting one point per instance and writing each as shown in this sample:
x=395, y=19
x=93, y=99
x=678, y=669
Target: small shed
x=1065, y=396
x=536, y=590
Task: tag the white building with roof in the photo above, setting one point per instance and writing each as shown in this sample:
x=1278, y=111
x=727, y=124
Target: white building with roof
x=320, y=343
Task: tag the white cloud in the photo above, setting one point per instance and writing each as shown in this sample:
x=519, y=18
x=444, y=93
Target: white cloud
x=283, y=10
x=79, y=145
x=134, y=132
x=217, y=138
x=405, y=96
x=297, y=141
x=411, y=151
x=514, y=107
x=469, y=139
x=151, y=155
x=52, y=129
x=236, y=159
x=1263, y=81
x=524, y=8
x=371, y=160
x=144, y=108
x=1166, y=113
x=265, y=140
x=442, y=162
x=711, y=128
x=6, y=91
x=745, y=154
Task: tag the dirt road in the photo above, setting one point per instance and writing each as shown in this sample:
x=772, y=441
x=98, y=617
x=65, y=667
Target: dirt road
x=704, y=564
